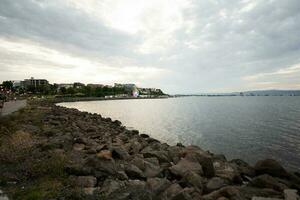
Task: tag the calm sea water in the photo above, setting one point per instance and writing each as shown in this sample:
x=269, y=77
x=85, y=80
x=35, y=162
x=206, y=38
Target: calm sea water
x=250, y=128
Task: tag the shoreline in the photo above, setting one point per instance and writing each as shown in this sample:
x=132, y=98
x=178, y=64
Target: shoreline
x=104, y=158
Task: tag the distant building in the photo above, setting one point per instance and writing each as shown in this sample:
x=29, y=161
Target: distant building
x=64, y=85
x=16, y=83
x=78, y=85
x=33, y=83
x=95, y=85
x=129, y=88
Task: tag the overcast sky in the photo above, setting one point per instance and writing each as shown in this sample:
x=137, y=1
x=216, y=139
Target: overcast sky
x=181, y=46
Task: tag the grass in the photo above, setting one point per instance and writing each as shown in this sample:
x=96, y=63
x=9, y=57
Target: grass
x=40, y=175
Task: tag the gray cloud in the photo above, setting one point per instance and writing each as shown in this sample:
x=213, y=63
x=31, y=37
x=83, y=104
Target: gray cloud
x=216, y=45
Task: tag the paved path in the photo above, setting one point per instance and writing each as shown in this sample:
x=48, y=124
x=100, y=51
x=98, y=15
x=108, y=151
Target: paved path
x=12, y=106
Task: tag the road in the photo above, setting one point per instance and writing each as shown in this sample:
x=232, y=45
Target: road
x=12, y=106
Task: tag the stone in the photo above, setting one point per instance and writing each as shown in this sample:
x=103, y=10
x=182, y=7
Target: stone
x=214, y=184
x=290, y=194
x=105, y=154
x=119, y=152
x=171, y=191
x=184, y=165
x=133, y=172
x=194, y=180
x=111, y=186
x=250, y=192
x=86, y=181
x=244, y=168
x=267, y=181
x=182, y=195
x=144, y=135
x=271, y=167
x=151, y=170
x=122, y=175
x=78, y=147
x=78, y=170
x=175, y=153
x=227, y=171
x=102, y=168
x=157, y=185
x=198, y=155
x=222, y=198
x=161, y=155
x=264, y=198
x=89, y=190
x=230, y=192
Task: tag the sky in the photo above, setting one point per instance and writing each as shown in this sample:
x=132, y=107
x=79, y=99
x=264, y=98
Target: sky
x=180, y=46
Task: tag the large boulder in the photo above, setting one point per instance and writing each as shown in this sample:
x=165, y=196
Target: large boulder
x=215, y=183
x=205, y=159
x=267, y=181
x=230, y=192
x=157, y=185
x=194, y=180
x=118, y=152
x=227, y=171
x=271, y=167
x=171, y=191
x=161, y=155
x=134, y=172
x=184, y=166
x=249, y=192
x=244, y=168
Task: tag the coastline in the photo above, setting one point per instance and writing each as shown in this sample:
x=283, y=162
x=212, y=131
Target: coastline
x=97, y=157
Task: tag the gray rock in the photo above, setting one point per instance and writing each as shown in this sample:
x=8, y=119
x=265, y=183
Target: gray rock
x=119, y=152
x=157, y=185
x=78, y=147
x=267, y=181
x=85, y=181
x=184, y=165
x=291, y=194
x=230, y=192
x=182, y=195
x=110, y=186
x=151, y=170
x=249, y=192
x=215, y=184
x=197, y=155
x=171, y=191
x=244, y=168
x=161, y=155
x=227, y=171
x=194, y=180
x=134, y=172
x=271, y=167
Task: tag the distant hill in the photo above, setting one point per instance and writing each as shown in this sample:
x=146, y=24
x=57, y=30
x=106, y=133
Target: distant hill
x=250, y=93
x=269, y=93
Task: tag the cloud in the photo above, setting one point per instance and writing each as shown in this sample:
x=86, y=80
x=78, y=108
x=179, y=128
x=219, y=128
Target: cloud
x=289, y=71
x=181, y=46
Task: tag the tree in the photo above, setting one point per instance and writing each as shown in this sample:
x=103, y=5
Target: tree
x=7, y=85
x=63, y=90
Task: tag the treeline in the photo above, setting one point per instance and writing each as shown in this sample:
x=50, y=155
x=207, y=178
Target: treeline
x=92, y=91
x=82, y=90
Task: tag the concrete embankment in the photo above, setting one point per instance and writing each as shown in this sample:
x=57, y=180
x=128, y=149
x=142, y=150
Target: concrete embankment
x=54, y=152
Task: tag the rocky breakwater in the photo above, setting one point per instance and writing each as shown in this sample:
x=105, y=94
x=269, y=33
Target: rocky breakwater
x=104, y=160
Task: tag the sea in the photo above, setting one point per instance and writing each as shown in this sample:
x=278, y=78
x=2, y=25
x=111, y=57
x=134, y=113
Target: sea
x=249, y=128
